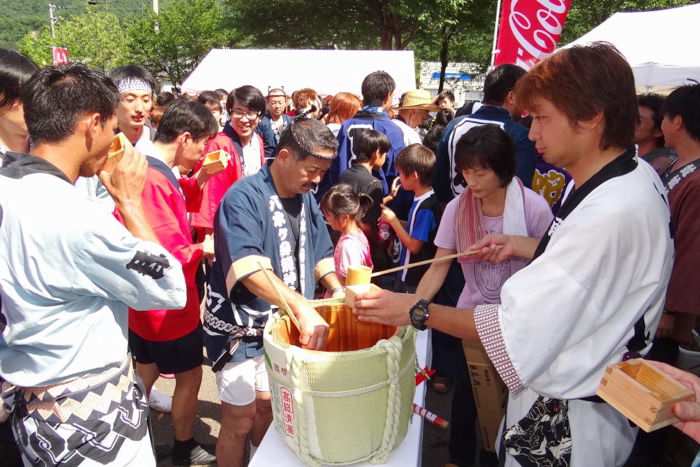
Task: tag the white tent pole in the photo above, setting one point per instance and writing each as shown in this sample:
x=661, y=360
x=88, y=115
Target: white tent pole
x=495, y=32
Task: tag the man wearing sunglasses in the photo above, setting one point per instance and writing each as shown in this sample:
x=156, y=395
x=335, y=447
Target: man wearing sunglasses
x=271, y=221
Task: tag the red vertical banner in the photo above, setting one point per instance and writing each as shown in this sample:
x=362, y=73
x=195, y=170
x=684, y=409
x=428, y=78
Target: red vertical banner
x=529, y=30
x=59, y=55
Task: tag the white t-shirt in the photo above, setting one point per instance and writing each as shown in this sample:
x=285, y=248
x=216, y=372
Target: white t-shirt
x=3, y=150
x=410, y=136
x=145, y=143
x=335, y=128
x=277, y=126
x=69, y=271
x=251, y=156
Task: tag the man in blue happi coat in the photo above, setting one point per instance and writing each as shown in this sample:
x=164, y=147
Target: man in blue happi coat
x=270, y=221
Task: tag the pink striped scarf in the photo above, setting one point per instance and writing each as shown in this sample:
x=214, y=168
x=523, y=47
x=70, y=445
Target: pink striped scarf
x=469, y=220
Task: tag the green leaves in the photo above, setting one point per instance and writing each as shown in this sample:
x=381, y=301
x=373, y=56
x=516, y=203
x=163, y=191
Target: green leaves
x=174, y=42
x=170, y=44
x=95, y=38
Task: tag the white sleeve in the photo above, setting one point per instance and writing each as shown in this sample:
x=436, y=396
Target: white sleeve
x=571, y=312
x=113, y=264
x=412, y=137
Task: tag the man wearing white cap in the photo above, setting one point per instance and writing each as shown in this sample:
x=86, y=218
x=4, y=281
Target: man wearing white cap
x=413, y=110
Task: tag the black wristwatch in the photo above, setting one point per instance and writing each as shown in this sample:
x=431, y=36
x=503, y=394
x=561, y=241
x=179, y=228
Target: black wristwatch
x=419, y=315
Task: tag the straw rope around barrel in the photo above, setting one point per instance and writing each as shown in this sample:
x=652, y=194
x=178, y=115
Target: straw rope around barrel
x=393, y=363
x=392, y=360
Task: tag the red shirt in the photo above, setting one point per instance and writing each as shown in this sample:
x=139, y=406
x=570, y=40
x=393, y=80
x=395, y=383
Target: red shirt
x=216, y=187
x=166, y=210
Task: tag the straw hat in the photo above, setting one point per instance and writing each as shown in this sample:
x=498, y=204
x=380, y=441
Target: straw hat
x=418, y=99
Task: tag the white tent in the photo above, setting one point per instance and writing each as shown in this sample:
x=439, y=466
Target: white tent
x=326, y=71
x=659, y=45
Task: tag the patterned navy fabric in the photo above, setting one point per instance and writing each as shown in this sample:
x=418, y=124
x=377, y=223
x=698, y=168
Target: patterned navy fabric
x=88, y=426
x=543, y=437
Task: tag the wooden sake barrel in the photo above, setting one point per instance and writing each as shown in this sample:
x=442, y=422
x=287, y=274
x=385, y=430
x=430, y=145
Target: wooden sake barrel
x=350, y=403
x=345, y=331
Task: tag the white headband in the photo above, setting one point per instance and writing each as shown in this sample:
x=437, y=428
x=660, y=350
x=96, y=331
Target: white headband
x=134, y=84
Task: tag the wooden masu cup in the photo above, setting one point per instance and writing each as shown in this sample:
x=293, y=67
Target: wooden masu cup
x=358, y=275
x=116, y=151
x=642, y=393
x=345, y=332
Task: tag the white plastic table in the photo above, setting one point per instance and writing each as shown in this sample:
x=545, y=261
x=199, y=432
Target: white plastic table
x=274, y=452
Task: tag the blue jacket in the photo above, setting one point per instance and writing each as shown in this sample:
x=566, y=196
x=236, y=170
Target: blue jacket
x=270, y=140
x=365, y=118
x=448, y=182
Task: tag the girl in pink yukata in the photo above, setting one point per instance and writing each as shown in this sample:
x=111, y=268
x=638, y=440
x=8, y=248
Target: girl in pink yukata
x=343, y=208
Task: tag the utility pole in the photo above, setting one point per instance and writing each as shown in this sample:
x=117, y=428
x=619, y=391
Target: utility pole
x=52, y=19
x=495, y=33
x=156, y=28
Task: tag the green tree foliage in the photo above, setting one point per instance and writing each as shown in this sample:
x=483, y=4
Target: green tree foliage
x=445, y=30
x=20, y=17
x=176, y=40
x=440, y=29
x=461, y=30
x=457, y=30
x=302, y=24
x=95, y=38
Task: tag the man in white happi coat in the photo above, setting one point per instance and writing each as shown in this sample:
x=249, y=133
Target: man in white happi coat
x=69, y=271
x=595, y=288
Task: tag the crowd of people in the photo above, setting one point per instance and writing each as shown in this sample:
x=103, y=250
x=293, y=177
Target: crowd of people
x=569, y=197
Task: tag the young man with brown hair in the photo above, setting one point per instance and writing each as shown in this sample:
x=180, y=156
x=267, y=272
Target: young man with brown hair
x=594, y=290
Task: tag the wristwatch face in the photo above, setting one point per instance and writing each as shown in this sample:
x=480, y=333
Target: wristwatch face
x=419, y=314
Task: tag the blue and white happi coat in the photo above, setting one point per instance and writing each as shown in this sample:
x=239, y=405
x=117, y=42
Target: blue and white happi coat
x=252, y=232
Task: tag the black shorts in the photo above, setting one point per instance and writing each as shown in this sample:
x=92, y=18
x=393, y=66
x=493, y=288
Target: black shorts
x=175, y=356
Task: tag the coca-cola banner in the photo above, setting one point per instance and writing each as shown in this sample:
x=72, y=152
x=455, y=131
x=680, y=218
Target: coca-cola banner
x=529, y=30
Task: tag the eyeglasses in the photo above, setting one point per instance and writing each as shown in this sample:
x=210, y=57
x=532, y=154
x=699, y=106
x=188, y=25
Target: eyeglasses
x=248, y=115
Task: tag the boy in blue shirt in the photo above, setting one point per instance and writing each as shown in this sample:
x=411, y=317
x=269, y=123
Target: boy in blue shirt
x=415, y=165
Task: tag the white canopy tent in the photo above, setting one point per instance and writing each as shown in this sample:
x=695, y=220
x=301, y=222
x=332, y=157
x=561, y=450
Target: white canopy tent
x=325, y=71
x=659, y=45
